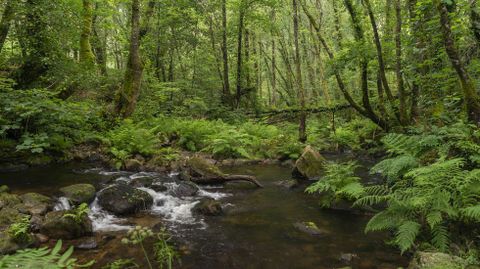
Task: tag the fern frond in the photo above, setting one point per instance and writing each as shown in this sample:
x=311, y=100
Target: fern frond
x=472, y=212
x=434, y=218
x=440, y=237
x=406, y=234
x=394, y=168
x=381, y=221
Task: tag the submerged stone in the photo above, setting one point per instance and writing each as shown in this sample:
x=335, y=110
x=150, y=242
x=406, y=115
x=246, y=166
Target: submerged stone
x=208, y=207
x=309, y=228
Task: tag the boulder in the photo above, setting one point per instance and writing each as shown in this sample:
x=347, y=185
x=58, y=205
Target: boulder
x=122, y=199
x=208, y=207
x=185, y=189
x=142, y=182
x=58, y=226
x=36, y=204
x=9, y=245
x=433, y=260
x=133, y=165
x=9, y=200
x=159, y=187
x=79, y=193
x=309, y=165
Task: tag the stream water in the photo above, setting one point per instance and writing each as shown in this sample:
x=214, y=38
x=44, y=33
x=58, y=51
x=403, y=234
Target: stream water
x=257, y=231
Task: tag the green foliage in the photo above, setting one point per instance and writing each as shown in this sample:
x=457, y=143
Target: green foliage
x=42, y=258
x=130, y=138
x=338, y=183
x=79, y=213
x=248, y=140
x=39, y=121
x=429, y=187
x=164, y=252
x=20, y=231
x=121, y=264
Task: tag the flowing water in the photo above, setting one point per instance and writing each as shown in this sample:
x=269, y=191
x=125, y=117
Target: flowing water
x=257, y=230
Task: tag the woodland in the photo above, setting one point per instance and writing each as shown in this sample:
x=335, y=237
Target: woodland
x=179, y=85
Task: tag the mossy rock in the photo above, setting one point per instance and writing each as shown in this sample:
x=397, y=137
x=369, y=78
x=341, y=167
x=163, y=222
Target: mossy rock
x=4, y=189
x=79, y=193
x=436, y=260
x=199, y=167
x=309, y=228
x=9, y=216
x=122, y=199
x=9, y=245
x=37, y=204
x=309, y=165
x=58, y=226
x=39, y=160
x=9, y=200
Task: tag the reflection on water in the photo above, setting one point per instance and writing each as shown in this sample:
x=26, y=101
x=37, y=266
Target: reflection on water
x=257, y=230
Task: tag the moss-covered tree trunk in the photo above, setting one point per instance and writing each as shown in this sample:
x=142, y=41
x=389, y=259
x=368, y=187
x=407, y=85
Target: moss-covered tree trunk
x=86, y=53
x=471, y=98
x=6, y=22
x=128, y=94
x=127, y=97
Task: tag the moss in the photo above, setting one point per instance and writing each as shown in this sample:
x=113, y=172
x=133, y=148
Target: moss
x=203, y=168
x=79, y=193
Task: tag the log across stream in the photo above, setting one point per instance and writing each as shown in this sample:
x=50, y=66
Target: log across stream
x=258, y=229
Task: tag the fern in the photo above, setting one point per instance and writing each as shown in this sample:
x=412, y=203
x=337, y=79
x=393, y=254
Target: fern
x=42, y=258
x=429, y=184
x=338, y=183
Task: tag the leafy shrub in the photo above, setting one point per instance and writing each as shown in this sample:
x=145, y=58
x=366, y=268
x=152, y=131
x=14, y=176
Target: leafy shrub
x=339, y=183
x=39, y=121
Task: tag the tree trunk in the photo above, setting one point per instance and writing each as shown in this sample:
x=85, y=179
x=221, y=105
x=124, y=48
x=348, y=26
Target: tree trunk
x=471, y=98
x=241, y=18
x=6, y=22
x=475, y=20
x=127, y=97
x=302, y=134
x=378, y=46
x=86, y=52
x=417, y=57
x=100, y=45
x=398, y=66
x=226, y=96
x=341, y=85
